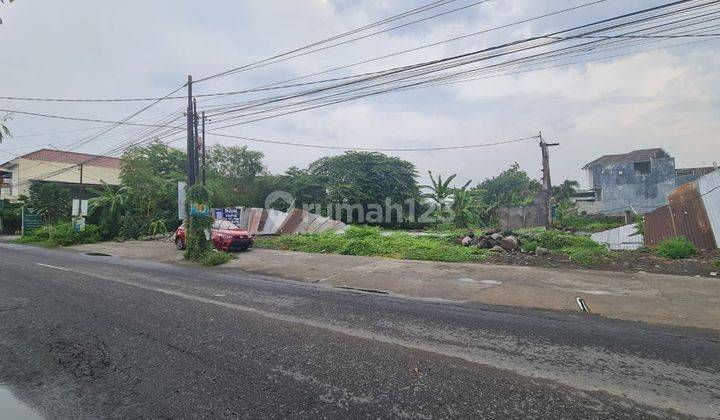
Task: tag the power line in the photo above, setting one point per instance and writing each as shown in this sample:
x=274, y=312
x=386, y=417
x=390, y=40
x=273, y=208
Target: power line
x=374, y=149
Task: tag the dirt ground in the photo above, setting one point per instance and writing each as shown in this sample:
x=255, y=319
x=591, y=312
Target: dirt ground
x=702, y=265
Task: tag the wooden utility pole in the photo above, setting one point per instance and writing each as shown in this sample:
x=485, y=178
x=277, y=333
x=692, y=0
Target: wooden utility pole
x=546, y=183
x=190, y=137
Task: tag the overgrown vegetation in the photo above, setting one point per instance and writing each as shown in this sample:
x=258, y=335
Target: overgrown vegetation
x=62, y=234
x=595, y=223
x=199, y=245
x=580, y=249
x=676, y=248
x=368, y=241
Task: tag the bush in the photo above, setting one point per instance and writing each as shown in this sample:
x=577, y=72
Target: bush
x=213, y=258
x=676, y=248
x=62, y=234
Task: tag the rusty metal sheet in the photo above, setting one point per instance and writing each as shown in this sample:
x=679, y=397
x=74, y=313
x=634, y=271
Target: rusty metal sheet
x=709, y=188
x=275, y=219
x=315, y=224
x=254, y=215
x=689, y=216
x=658, y=226
x=308, y=219
x=294, y=219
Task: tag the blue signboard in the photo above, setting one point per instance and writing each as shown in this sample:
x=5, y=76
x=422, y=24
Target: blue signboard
x=199, y=210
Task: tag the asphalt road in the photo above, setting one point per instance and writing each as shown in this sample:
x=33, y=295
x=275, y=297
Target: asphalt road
x=87, y=336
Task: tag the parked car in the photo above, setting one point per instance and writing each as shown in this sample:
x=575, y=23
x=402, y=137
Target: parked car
x=226, y=236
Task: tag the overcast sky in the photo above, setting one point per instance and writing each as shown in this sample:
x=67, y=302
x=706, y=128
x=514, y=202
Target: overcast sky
x=88, y=49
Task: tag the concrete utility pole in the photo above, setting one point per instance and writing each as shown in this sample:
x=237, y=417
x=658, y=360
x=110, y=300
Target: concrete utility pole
x=546, y=183
x=196, y=151
x=190, y=137
x=203, y=147
x=80, y=194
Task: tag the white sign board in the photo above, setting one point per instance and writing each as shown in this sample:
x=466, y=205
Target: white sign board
x=181, y=200
x=84, y=207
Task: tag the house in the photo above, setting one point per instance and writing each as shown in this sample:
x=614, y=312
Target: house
x=64, y=168
x=639, y=181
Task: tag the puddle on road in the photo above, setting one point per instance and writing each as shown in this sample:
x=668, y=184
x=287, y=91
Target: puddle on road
x=12, y=408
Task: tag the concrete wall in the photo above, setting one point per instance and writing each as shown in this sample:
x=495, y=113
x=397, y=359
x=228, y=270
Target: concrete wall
x=27, y=170
x=622, y=186
x=532, y=215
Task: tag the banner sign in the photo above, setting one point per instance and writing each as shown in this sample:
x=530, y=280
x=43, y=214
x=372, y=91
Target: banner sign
x=199, y=210
x=231, y=214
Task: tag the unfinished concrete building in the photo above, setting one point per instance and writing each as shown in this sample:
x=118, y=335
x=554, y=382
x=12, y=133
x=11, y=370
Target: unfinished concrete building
x=639, y=180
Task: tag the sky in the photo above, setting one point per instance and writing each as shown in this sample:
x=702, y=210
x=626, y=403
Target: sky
x=657, y=98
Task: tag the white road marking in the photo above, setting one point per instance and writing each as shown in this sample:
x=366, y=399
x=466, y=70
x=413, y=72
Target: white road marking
x=52, y=266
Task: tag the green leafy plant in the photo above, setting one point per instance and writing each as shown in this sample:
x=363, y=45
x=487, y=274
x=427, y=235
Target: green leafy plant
x=198, y=245
x=49, y=200
x=213, y=258
x=158, y=226
x=62, y=234
x=580, y=249
x=108, y=206
x=676, y=248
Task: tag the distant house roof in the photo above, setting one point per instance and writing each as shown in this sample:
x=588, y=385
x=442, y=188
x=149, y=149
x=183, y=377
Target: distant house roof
x=59, y=156
x=634, y=156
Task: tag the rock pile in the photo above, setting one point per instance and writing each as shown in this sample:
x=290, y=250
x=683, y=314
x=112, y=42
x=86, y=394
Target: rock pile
x=493, y=239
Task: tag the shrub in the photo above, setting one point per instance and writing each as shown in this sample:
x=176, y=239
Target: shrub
x=62, y=234
x=213, y=258
x=676, y=248
x=717, y=263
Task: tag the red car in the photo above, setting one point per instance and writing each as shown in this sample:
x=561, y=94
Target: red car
x=226, y=236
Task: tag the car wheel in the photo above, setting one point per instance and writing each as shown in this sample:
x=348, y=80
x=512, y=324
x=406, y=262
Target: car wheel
x=179, y=244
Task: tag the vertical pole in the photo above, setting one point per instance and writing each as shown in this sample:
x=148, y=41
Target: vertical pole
x=203, y=147
x=546, y=184
x=196, y=152
x=80, y=195
x=190, y=139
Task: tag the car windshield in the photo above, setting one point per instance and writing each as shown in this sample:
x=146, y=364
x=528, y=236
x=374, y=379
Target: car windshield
x=224, y=225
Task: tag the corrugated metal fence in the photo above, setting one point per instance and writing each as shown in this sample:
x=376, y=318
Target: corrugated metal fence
x=686, y=215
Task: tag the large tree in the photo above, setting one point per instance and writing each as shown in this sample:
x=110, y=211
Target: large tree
x=364, y=178
x=233, y=176
x=49, y=200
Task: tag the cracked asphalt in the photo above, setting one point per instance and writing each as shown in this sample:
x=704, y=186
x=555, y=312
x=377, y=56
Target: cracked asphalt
x=87, y=336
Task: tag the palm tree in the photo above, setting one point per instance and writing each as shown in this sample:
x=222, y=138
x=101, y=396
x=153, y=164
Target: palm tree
x=565, y=190
x=4, y=130
x=109, y=203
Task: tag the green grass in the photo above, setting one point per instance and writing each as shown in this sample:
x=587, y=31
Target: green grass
x=590, y=223
x=580, y=249
x=367, y=241
x=676, y=248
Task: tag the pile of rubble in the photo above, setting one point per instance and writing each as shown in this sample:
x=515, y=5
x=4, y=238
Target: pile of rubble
x=493, y=239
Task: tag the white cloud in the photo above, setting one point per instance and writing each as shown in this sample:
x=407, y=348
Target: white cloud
x=139, y=48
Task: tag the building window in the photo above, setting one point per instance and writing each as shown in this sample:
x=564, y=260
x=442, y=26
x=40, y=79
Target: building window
x=642, y=167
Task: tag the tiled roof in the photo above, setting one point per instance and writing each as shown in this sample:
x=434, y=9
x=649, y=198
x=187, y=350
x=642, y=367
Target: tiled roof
x=49, y=155
x=634, y=156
